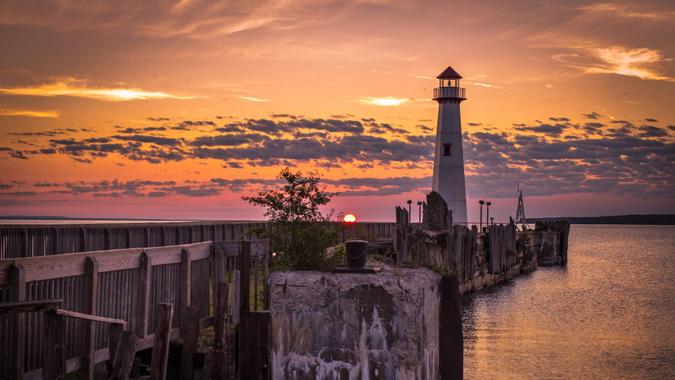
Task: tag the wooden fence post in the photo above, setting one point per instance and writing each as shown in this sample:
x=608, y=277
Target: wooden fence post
x=266, y=296
x=143, y=307
x=25, y=244
x=221, y=359
x=127, y=237
x=54, y=366
x=160, y=349
x=106, y=238
x=254, y=345
x=162, y=235
x=90, y=307
x=122, y=349
x=245, y=281
x=185, y=288
x=54, y=242
x=190, y=327
x=451, y=346
x=17, y=292
x=83, y=239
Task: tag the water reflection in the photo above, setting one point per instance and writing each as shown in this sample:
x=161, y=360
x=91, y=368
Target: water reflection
x=609, y=314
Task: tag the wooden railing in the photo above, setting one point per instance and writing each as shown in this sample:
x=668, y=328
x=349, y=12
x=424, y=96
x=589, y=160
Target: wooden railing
x=30, y=240
x=124, y=284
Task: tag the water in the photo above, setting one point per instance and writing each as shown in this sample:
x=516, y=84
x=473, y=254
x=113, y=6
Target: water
x=609, y=314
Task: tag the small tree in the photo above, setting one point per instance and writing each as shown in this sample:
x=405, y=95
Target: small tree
x=297, y=230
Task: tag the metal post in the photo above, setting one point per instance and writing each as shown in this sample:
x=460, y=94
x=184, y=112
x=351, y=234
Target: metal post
x=419, y=212
x=480, y=223
x=409, y=202
x=487, y=217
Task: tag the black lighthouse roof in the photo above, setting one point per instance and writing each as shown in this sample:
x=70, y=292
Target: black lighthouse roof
x=449, y=73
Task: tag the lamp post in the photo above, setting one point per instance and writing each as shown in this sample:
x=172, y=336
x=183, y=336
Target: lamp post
x=419, y=212
x=480, y=223
x=409, y=202
x=487, y=217
x=492, y=221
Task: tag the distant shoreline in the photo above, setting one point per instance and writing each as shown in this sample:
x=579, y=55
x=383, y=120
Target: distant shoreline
x=615, y=219
x=651, y=219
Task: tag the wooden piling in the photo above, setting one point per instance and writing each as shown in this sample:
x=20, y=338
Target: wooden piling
x=160, y=349
x=245, y=282
x=185, y=287
x=17, y=292
x=190, y=328
x=122, y=349
x=221, y=358
x=143, y=307
x=255, y=337
x=90, y=307
x=451, y=345
x=54, y=366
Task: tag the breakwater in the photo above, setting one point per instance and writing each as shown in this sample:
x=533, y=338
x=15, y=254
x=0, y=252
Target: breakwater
x=478, y=258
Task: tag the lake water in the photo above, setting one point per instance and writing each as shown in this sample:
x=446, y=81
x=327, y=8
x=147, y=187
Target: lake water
x=609, y=314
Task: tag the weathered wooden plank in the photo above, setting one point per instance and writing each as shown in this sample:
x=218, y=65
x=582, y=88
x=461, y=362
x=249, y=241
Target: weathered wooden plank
x=89, y=317
x=143, y=308
x=29, y=306
x=221, y=360
x=245, y=268
x=185, y=287
x=90, y=307
x=266, y=294
x=190, y=332
x=122, y=350
x=254, y=345
x=259, y=248
x=101, y=355
x=17, y=292
x=54, y=366
x=58, y=266
x=451, y=346
x=160, y=350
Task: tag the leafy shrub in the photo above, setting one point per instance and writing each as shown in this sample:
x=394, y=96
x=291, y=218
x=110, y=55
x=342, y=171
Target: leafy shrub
x=298, y=232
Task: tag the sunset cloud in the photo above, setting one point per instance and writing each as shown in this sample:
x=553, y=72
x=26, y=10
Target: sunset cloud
x=29, y=113
x=77, y=88
x=481, y=84
x=387, y=101
x=253, y=99
x=643, y=63
x=556, y=156
x=629, y=62
x=620, y=10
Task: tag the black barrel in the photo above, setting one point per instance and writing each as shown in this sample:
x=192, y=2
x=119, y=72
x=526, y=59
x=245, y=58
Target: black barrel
x=356, y=253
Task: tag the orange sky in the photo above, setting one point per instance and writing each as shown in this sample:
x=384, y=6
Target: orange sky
x=175, y=109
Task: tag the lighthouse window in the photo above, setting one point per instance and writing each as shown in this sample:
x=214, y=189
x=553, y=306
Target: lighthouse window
x=447, y=149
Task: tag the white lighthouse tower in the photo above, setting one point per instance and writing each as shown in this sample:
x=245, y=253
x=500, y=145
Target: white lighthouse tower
x=448, y=158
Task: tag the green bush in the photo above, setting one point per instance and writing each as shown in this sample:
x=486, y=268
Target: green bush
x=299, y=234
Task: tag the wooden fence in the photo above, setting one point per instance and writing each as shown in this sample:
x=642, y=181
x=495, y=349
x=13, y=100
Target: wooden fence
x=124, y=284
x=30, y=240
x=501, y=250
x=465, y=240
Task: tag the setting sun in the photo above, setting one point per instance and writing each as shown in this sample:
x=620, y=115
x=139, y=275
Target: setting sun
x=349, y=218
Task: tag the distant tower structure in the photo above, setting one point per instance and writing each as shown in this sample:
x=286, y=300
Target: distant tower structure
x=520, y=212
x=448, y=178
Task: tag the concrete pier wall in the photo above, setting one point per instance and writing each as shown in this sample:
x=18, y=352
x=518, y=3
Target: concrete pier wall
x=355, y=326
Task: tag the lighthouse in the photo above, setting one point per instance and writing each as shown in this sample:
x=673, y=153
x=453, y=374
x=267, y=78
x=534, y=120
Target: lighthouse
x=448, y=178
